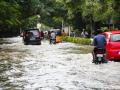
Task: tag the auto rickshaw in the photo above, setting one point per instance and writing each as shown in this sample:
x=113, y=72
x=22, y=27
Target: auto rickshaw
x=58, y=37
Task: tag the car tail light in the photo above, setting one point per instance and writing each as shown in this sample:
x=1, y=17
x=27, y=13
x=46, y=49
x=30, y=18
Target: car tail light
x=39, y=34
x=26, y=34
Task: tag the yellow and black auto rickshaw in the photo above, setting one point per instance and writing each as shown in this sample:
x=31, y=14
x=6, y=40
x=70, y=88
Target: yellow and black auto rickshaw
x=58, y=36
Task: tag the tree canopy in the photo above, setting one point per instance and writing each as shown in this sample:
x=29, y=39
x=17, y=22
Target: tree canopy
x=77, y=13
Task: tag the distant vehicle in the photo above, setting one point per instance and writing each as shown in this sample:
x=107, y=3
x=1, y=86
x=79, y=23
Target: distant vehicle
x=58, y=36
x=31, y=36
x=113, y=45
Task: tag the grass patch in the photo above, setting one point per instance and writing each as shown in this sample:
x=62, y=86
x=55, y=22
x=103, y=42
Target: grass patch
x=78, y=40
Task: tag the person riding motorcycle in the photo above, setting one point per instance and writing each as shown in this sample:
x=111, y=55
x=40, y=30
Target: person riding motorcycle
x=52, y=37
x=99, y=41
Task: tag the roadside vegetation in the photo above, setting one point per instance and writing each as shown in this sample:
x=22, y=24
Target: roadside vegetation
x=78, y=40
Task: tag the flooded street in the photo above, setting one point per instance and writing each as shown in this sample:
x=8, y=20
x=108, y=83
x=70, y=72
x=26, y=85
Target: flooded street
x=64, y=66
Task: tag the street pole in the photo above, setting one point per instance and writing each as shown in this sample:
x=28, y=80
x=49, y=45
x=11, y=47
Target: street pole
x=38, y=17
x=62, y=25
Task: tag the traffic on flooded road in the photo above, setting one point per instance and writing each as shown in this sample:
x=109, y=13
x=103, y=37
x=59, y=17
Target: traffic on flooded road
x=62, y=66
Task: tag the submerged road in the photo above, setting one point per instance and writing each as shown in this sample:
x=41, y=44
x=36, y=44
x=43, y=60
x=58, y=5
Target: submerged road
x=64, y=66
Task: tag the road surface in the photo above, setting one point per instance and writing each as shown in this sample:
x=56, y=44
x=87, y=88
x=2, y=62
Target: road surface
x=64, y=66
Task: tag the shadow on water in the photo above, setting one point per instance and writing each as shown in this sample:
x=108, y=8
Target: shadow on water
x=117, y=60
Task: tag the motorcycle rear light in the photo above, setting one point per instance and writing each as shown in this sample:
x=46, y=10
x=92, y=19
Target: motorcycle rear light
x=100, y=51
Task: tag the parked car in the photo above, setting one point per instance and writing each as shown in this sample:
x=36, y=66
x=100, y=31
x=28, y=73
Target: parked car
x=31, y=36
x=113, y=45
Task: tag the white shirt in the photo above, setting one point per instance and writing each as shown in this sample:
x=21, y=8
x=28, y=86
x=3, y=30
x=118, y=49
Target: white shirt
x=53, y=35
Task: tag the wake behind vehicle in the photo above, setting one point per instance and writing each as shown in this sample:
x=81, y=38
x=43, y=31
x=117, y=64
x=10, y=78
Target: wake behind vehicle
x=31, y=36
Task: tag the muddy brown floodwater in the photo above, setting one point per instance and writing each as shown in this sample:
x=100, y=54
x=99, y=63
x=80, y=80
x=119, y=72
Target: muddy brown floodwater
x=64, y=66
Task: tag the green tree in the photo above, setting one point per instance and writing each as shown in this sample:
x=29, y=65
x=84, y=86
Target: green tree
x=49, y=11
x=74, y=13
x=116, y=14
x=78, y=13
x=9, y=14
x=97, y=11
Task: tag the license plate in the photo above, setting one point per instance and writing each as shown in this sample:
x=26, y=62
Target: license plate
x=32, y=38
x=99, y=55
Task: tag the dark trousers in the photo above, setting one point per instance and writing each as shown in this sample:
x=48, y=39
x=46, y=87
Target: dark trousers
x=52, y=40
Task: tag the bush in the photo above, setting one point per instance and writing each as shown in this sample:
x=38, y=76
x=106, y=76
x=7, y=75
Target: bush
x=78, y=40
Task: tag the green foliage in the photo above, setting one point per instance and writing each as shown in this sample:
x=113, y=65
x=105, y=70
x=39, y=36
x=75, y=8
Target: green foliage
x=55, y=13
x=93, y=10
x=22, y=13
x=72, y=7
x=9, y=14
x=97, y=9
x=116, y=14
x=84, y=41
x=51, y=12
x=31, y=22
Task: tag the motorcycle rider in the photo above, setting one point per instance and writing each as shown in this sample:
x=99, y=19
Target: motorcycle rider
x=99, y=41
x=52, y=37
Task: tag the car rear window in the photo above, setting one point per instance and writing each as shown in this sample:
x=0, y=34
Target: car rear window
x=115, y=37
x=35, y=32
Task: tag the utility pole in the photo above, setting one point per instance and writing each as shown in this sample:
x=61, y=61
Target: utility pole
x=62, y=25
